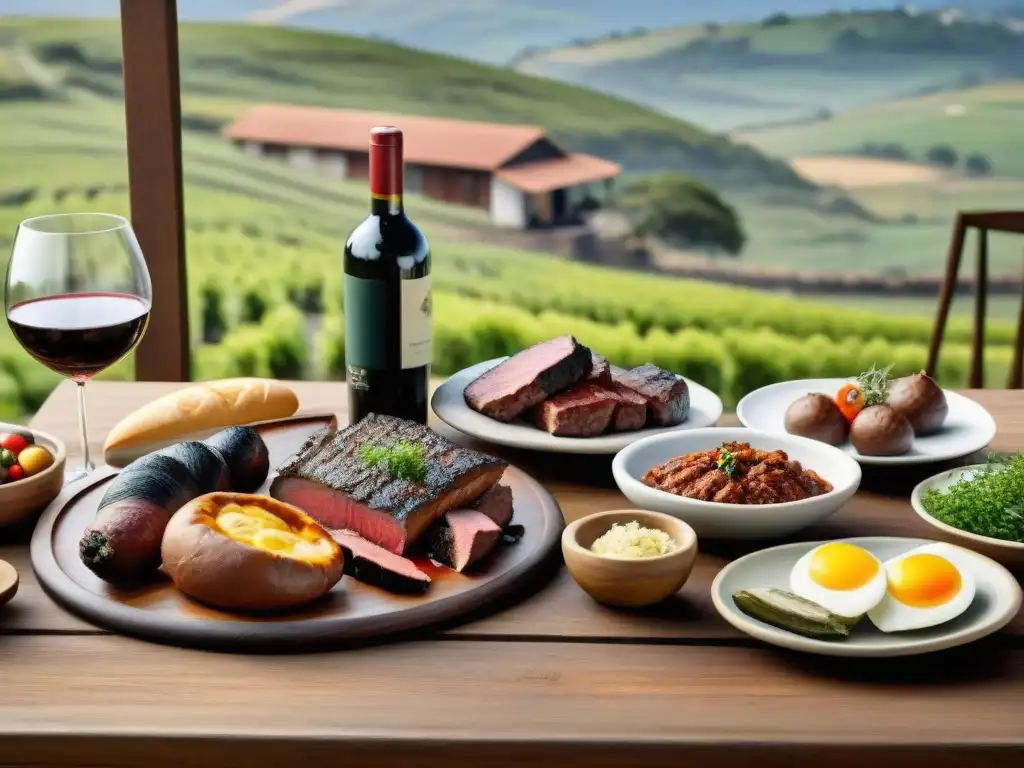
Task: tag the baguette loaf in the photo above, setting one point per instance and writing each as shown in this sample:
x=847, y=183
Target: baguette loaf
x=197, y=412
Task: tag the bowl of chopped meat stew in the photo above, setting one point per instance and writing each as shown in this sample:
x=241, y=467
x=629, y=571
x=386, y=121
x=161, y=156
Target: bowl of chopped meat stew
x=735, y=483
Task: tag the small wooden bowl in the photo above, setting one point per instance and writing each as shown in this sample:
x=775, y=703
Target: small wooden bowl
x=626, y=581
x=8, y=582
x=29, y=495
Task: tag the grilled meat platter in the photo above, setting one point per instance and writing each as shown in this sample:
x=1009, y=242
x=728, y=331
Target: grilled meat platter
x=385, y=501
x=568, y=390
x=392, y=491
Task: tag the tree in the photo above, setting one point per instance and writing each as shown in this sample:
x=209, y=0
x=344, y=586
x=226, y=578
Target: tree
x=776, y=20
x=683, y=212
x=850, y=40
x=942, y=155
x=978, y=165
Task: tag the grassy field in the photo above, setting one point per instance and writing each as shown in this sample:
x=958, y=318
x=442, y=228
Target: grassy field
x=911, y=234
x=726, y=76
x=986, y=119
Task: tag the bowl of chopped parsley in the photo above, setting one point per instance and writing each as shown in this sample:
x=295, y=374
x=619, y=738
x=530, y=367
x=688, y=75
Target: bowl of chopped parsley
x=980, y=507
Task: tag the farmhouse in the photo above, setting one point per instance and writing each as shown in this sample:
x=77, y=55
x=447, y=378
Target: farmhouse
x=514, y=171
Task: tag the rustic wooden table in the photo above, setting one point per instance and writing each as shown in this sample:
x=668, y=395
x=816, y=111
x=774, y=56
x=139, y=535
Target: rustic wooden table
x=553, y=680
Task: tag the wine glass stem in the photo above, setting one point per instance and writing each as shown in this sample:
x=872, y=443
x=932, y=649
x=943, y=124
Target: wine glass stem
x=87, y=464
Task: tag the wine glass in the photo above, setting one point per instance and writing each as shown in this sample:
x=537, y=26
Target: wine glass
x=78, y=297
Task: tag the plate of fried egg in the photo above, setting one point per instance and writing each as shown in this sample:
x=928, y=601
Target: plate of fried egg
x=867, y=597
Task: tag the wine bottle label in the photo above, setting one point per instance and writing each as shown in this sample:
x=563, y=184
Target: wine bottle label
x=368, y=316
x=417, y=322
x=366, y=323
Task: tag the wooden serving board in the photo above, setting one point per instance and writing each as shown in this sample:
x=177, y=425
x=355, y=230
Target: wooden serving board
x=353, y=611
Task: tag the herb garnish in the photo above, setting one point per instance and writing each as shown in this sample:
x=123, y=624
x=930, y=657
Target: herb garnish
x=989, y=502
x=404, y=460
x=727, y=463
x=875, y=385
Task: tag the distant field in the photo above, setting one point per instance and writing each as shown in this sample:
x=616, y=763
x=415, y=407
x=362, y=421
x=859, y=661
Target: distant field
x=853, y=172
x=988, y=119
x=913, y=236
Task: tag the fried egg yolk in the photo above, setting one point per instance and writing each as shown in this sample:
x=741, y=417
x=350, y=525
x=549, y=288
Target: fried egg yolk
x=924, y=580
x=841, y=567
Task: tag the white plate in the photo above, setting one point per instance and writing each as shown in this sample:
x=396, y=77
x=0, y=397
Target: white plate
x=737, y=521
x=450, y=406
x=968, y=427
x=996, y=602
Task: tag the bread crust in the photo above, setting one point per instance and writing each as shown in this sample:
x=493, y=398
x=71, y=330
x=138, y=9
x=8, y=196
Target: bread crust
x=195, y=412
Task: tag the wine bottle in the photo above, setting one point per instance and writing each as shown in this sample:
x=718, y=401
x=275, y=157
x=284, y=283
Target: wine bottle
x=388, y=311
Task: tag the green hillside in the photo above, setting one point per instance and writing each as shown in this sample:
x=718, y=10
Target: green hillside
x=226, y=67
x=987, y=120
x=726, y=76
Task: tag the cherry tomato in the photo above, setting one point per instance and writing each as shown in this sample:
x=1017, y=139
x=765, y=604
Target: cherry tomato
x=15, y=472
x=850, y=400
x=13, y=443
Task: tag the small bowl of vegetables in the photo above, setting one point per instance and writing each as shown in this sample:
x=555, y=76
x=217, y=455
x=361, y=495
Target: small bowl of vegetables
x=31, y=471
x=979, y=507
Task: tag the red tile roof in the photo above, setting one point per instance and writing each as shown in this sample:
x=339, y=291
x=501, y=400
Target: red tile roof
x=428, y=140
x=559, y=172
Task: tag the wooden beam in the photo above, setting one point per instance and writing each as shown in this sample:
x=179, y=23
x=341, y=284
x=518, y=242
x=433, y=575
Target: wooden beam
x=956, y=247
x=977, y=380
x=149, y=39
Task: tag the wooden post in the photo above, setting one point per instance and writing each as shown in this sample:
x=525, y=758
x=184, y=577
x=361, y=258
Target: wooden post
x=149, y=39
x=1017, y=367
x=956, y=247
x=980, y=290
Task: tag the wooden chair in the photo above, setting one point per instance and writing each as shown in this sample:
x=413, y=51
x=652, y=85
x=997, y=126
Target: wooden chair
x=984, y=222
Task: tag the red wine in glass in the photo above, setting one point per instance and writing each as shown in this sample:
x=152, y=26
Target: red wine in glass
x=77, y=295
x=79, y=334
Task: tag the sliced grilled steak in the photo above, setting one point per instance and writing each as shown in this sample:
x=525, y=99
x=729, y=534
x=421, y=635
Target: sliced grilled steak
x=525, y=379
x=373, y=565
x=631, y=412
x=330, y=479
x=600, y=371
x=583, y=410
x=497, y=505
x=668, y=397
x=461, y=537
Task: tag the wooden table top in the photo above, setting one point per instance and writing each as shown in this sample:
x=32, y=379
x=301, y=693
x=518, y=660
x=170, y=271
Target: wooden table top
x=552, y=679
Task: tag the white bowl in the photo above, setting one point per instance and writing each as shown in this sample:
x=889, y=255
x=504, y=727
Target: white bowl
x=737, y=521
x=1009, y=553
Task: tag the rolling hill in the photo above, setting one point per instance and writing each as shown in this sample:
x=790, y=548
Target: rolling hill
x=226, y=67
x=485, y=30
x=725, y=76
x=985, y=120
